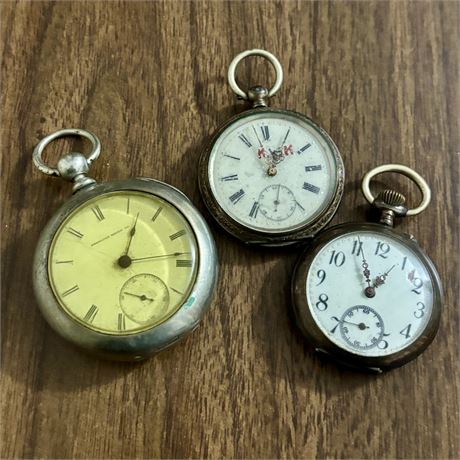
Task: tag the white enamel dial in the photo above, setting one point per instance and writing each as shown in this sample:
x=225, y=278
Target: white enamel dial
x=377, y=325
x=272, y=171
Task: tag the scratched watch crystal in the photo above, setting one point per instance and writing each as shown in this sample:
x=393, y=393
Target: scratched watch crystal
x=270, y=176
x=123, y=269
x=365, y=294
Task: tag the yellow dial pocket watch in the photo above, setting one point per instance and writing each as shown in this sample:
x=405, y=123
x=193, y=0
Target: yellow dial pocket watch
x=123, y=269
x=270, y=176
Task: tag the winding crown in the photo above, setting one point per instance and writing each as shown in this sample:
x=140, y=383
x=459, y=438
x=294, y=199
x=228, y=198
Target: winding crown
x=391, y=197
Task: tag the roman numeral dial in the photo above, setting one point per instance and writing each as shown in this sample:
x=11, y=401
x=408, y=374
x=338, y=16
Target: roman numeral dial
x=245, y=140
x=114, y=260
x=98, y=213
x=272, y=172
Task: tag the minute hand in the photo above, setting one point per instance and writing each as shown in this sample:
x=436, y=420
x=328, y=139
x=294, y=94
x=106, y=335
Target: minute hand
x=164, y=256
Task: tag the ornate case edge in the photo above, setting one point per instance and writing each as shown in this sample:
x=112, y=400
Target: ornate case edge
x=252, y=236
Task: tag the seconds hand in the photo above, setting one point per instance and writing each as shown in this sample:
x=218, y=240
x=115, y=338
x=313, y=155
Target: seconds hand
x=361, y=326
x=277, y=201
x=142, y=297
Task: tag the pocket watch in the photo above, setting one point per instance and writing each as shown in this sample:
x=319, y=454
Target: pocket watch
x=366, y=295
x=125, y=268
x=270, y=176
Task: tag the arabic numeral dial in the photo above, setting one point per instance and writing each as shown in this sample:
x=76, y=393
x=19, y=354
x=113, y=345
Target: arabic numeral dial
x=337, y=288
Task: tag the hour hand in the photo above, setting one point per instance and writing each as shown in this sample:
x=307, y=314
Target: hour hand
x=132, y=232
x=382, y=278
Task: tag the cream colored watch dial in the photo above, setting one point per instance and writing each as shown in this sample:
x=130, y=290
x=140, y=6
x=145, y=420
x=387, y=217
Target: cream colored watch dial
x=123, y=262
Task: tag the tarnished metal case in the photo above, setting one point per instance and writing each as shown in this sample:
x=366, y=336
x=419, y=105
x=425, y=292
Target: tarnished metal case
x=138, y=345
x=316, y=337
x=251, y=236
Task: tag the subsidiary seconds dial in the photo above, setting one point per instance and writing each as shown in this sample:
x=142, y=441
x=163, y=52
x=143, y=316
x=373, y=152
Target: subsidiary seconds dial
x=361, y=327
x=272, y=171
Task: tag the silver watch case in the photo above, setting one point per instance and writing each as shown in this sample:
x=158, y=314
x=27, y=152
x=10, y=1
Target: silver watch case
x=138, y=345
x=248, y=235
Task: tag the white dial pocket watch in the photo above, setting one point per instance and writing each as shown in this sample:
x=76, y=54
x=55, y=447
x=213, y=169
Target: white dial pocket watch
x=366, y=295
x=270, y=176
x=123, y=269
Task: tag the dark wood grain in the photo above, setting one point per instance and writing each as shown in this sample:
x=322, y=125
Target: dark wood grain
x=150, y=80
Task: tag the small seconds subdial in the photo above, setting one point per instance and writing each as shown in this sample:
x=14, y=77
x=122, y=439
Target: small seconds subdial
x=361, y=327
x=144, y=298
x=265, y=154
x=277, y=202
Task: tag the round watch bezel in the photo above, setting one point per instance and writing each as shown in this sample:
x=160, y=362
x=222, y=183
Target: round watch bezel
x=322, y=343
x=252, y=236
x=137, y=345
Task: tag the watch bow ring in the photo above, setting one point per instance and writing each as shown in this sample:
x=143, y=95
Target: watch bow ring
x=123, y=269
x=405, y=171
x=255, y=52
x=38, y=150
x=270, y=176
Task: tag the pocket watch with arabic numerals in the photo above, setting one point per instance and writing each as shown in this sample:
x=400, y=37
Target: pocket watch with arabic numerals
x=270, y=176
x=366, y=295
x=123, y=269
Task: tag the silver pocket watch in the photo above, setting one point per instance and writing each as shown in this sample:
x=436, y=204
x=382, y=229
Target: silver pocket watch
x=123, y=269
x=270, y=176
x=366, y=295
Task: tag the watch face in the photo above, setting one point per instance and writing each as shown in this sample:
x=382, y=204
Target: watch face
x=123, y=262
x=369, y=293
x=272, y=171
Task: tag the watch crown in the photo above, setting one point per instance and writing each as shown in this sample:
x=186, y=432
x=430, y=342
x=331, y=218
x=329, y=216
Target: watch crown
x=391, y=197
x=73, y=167
x=391, y=203
x=258, y=95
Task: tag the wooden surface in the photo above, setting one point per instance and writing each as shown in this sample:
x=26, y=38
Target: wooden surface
x=150, y=80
